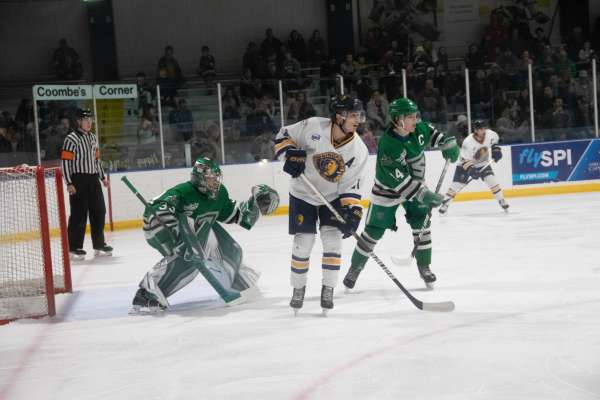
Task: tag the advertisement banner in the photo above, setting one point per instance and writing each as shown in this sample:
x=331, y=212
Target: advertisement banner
x=115, y=91
x=62, y=92
x=555, y=162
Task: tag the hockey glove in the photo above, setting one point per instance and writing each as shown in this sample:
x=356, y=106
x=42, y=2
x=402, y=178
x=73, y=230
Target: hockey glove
x=249, y=213
x=266, y=199
x=496, y=153
x=429, y=198
x=352, y=216
x=474, y=173
x=295, y=160
x=450, y=149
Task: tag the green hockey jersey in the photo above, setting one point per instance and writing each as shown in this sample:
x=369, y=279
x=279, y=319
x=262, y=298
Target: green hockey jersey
x=400, y=165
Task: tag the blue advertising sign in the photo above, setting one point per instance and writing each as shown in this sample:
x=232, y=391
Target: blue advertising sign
x=555, y=162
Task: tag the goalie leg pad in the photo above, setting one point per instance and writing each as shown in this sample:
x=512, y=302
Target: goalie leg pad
x=331, y=239
x=303, y=244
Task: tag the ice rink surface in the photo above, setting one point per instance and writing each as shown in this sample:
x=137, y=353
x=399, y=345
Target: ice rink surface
x=526, y=325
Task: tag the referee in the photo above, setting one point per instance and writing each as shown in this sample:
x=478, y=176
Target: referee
x=80, y=161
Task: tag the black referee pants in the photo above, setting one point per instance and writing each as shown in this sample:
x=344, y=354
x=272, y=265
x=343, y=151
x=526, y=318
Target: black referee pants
x=88, y=198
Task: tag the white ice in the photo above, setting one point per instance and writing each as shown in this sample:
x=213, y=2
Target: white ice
x=526, y=325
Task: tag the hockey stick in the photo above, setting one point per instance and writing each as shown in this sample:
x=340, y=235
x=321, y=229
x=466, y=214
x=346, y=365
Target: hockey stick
x=413, y=253
x=444, y=306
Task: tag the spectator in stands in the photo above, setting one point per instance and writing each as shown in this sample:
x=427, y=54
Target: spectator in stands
x=316, y=48
x=559, y=120
x=509, y=64
x=431, y=103
x=397, y=54
x=523, y=68
x=66, y=62
x=543, y=105
x=459, y=128
x=297, y=46
x=474, y=59
x=251, y=57
x=508, y=129
x=262, y=147
x=168, y=87
x=305, y=109
x=421, y=61
x=259, y=120
x=206, y=144
x=540, y=41
x=365, y=131
x=270, y=45
x=5, y=140
x=169, y=64
x=517, y=43
x=481, y=96
x=563, y=63
x=586, y=54
x=377, y=111
x=181, y=121
x=206, y=66
x=328, y=74
x=575, y=43
x=350, y=71
x=231, y=104
x=292, y=72
x=55, y=138
x=583, y=87
x=441, y=62
x=144, y=92
x=148, y=129
x=523, y=104
x=364, y=89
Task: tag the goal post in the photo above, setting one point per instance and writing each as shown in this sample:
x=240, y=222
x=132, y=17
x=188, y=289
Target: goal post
x=34, y=253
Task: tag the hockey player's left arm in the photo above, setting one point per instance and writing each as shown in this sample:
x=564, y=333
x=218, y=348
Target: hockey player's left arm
x=349, y=191
x=447, y=144
x=496, y=149
x=263, y=200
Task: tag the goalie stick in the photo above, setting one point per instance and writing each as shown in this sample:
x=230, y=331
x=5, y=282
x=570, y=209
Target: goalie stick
x=444, y=306
x=408, y=260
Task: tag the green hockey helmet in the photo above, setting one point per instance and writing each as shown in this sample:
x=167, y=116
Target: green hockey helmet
x=206, y=176
x=401, y=107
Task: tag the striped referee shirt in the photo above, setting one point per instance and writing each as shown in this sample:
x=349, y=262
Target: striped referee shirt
x=80, y=155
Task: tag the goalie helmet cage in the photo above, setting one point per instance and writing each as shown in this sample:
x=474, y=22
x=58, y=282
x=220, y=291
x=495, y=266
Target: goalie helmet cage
x=34, y=252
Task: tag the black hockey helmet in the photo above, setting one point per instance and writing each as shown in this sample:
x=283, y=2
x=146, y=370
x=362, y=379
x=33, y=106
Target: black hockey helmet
x=346, y=104
x=479, y=124
x=83, y=113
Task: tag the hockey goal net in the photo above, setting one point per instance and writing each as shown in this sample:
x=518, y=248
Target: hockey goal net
x=34, y=253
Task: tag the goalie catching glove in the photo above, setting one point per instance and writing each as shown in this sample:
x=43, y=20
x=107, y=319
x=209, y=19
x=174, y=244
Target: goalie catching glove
x=264, y=200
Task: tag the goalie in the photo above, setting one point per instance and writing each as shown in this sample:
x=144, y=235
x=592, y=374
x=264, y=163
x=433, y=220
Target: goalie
x=475, y=164
x=182, y=225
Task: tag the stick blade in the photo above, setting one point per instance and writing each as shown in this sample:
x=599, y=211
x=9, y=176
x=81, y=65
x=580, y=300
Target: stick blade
x=402, y=261
x=444, y=306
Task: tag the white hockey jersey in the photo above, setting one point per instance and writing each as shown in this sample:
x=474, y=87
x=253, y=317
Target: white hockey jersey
x=336, y=170
x=473, y=153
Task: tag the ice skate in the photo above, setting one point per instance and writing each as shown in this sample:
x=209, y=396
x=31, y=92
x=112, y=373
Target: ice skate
x=297, y=299
x=351, y=277
x=145, y=303
x=427, y=276
x=103, y=251
x=326, y=299
x=77, y=254
x=504, y=205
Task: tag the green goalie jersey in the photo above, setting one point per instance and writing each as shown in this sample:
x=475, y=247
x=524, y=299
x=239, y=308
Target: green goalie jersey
x=186, y=199
x=400, y=166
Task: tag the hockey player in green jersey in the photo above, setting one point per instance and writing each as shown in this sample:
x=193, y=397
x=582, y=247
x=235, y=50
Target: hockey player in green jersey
x=182, y=225
x=400, y=179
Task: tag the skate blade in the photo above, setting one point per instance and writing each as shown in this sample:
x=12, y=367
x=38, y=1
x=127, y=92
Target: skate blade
x=139, y=310
x=100, y=253
x=429, y=285
x=296, y=311
x=347, y=290
x=76, y=258
x=324, y=312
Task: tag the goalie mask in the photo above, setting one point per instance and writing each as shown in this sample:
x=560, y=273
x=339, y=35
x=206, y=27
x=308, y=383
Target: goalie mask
x=206, y=177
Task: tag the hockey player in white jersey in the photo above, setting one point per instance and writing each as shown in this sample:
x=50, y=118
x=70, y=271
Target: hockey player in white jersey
x=475, y=163
x=332, y=156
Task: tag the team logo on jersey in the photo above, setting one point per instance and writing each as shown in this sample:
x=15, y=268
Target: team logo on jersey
x=482, y=154
x=330, y=165
x=316, y=137
x=299, y=219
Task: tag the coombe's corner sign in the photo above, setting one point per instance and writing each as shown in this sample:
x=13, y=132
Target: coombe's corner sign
x=84, y=92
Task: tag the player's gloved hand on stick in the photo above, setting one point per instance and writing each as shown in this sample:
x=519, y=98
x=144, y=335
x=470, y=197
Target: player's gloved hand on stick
x=474, y=173
x=450, y=149
x=352, y=216
x=429, y=198
x=496, y=153
x=295, y=162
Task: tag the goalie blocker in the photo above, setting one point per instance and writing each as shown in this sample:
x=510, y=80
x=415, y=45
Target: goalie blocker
x=182, y=225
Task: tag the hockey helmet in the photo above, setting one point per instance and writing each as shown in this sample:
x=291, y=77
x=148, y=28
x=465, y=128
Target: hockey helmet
x=401, y=107
x=83, y=113
x=346, y=104
x=479, y=124
x=206, y=176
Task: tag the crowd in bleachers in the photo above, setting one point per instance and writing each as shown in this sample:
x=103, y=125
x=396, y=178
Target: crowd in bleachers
x=498, y=75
